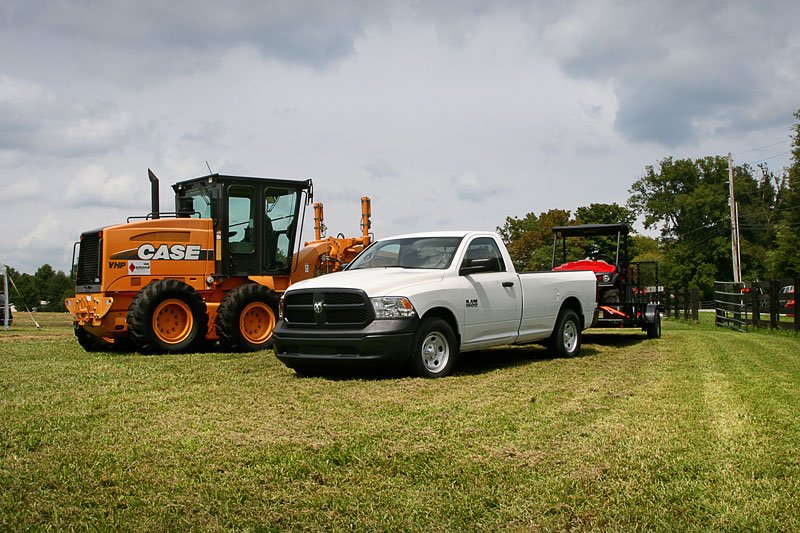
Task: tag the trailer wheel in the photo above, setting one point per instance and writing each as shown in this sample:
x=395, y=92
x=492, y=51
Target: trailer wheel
x=566, y=338
x=434, y=351
x=654, y=328
x=246, y=318
x=89, y=342
x=167, y=316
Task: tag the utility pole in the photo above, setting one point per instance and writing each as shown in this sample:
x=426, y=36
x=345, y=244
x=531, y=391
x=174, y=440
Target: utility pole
x=735, y=251
x=5, y=296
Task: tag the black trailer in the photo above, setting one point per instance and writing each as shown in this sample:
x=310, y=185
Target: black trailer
x=628, y=293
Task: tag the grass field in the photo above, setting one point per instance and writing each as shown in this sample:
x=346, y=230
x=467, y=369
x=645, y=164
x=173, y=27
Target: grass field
x=698, y=430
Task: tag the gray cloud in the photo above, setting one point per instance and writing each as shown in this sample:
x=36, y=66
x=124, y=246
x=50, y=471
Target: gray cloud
x=380, y=169
x=680, y=69
x=473, y=188
x=316, y=33
x=33, y=121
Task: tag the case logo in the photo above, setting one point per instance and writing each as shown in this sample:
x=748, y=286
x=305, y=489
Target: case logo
x=175, y=252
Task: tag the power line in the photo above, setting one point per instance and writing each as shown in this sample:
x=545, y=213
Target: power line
x=766, y=158
x=762, y=147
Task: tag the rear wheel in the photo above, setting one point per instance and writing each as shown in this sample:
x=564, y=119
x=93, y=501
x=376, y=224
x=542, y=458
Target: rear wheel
x=654, y=329
x=566, y=338
x=246, y=318
x=167, y=316
x=434, y=350
x=89, y=342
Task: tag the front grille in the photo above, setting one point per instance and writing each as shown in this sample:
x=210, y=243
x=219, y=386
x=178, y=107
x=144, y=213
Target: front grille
x=327, y=309
x=89, y=259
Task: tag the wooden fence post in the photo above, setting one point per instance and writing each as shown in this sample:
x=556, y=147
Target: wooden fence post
x=796, y=305
x=695, y=305
x=755, y=288
x=686, y=303
x=773, y=304
x=666, y=301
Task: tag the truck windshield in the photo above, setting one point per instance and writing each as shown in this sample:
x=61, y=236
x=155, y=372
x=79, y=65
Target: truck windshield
x=410, y=252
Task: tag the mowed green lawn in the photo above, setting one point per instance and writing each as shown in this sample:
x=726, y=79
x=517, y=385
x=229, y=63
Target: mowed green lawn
x=697, y=430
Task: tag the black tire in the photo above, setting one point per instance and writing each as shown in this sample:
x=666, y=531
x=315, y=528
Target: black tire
x=434, y=351
x=246, y=318
x=566, y=338
x=90, y=342
x=654, y=328
x=167, y=316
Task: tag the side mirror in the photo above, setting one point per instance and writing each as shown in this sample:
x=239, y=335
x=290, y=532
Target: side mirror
x=476, y=266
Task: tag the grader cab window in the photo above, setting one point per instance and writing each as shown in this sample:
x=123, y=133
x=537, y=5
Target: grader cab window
x=201, y=203
x=280, y=208
x=241, y=227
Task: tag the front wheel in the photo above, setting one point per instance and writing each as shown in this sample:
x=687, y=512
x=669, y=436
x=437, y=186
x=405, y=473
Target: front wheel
x=434, y=351
x=167, y=316
x=566, y=338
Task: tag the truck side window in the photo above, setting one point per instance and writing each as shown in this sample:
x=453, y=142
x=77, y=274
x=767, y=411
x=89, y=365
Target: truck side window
x=485, y=248
x=241, y=229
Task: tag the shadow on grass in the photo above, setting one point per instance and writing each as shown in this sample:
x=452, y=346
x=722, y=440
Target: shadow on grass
x=617, y=339
x=485, y=361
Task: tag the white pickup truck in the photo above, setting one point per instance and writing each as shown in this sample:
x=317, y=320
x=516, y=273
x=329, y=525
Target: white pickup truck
x=421, y=299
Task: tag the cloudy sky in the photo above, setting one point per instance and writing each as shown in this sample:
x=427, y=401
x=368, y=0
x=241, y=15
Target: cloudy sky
x=449, y=114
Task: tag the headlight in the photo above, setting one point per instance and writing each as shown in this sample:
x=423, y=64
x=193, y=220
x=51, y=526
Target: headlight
x=280, y=308
x=392, y=307
x=606, y=278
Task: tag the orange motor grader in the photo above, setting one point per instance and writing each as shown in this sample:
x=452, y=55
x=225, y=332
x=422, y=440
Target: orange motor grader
x=213, y=269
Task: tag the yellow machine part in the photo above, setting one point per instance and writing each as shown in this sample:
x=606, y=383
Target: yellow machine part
x=89, y=309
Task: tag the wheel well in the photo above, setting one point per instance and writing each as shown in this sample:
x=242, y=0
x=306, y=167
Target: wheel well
x=573, y=304
x=446, y=315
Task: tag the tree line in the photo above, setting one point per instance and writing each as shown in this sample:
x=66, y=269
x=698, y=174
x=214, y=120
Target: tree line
x=44, y=291
x=686, y=201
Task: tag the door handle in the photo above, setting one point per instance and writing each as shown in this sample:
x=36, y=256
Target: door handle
x=508, y=284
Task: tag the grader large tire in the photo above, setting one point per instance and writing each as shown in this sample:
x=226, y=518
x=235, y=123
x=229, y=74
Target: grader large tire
x=246, y=318
x=167, y=316
x=89, y=342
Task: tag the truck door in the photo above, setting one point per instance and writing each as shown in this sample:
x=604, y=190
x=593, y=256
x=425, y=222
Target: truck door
x=492, y=297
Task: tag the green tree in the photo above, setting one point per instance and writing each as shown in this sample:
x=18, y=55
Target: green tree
x=529, y=239
x=605, y=214
x=46, y=285
x=784, y=257
x=688, y=201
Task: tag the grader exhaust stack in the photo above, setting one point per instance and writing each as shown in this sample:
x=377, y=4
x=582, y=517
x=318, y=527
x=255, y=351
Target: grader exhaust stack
x=154, y=202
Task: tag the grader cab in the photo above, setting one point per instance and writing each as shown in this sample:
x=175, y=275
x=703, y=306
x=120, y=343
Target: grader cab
x=211, y=270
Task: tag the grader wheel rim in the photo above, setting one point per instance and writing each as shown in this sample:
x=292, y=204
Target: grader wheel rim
x=257, y=322
x=172, y=321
